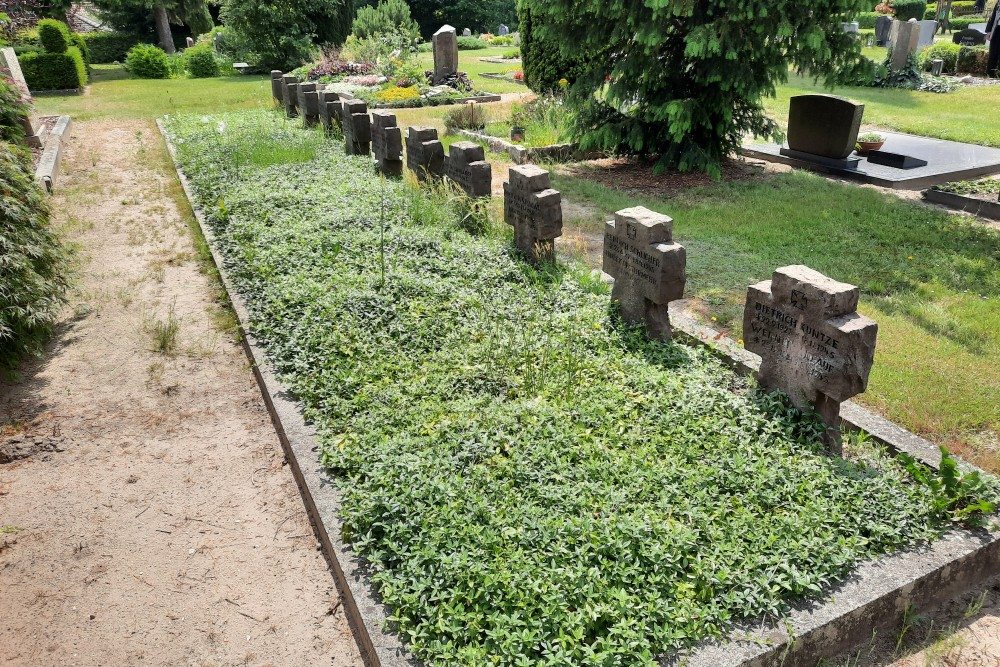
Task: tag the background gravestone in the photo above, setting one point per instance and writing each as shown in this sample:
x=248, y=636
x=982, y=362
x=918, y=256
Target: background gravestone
x=903, y=40
x=969, y=37
x=424, y=153
x=276, y=90
x=648, y=267
x=290, y=94
x=357, y=129
x=9, y=61
x=534, y=209
x=824, y=125
x=883, y=25
x=503, y=30
x=467, y=32
x=926, y=35
x=331, y=112
x=445, y=43
x=813, y=344
x=309, y=103
x=387, y=143
x=466, y=165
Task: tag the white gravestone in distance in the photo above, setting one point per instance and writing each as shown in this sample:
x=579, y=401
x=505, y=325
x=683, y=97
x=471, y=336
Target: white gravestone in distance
x=649, y=268
x=813, y=344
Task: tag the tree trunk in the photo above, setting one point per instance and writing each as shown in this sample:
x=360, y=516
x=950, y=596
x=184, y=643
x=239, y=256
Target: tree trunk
x=163, y=29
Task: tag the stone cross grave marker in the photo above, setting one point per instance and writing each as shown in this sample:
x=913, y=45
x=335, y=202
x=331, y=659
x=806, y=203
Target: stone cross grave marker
x=357, y=129
x=387, y=143
x=445, y=43
x=466, y=165
x=424, y=153
x=9, y=61
x=649, y=268
x=813, y=344
x=331, y=112
x=903, y=40
x=534, y=209
x=309, y=103
x=276, y=90
x=290, y=94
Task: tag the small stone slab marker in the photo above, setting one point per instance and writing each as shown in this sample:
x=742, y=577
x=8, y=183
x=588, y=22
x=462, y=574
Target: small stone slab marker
x=387, y=143
x=466, y=165
x=290, y=94
x=309, y=104
x=534, y=209
x=813, y=344
x=424, y=153
x=276, y=89
x=357, y=128
x=649, y=268
x=331, y=112
x=445, y=44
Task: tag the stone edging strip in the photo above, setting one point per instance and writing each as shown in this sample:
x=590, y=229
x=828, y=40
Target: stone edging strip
x=524, y=155
x=478, y=99
x=48, y=163
x=365, y=613
x=873, y=597
x=981, y=207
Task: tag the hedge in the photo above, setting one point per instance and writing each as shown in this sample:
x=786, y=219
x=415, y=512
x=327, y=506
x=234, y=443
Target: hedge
x=543, y=64
x=54, y=71
x=909, y=9
x=109, y=47
x=963, y=22
x=866, y=20
x=54, y=36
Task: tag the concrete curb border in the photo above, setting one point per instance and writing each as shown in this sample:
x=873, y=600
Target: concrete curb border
x=981, y=207
x=873, y=597
x=48, y=163
x=365, y=612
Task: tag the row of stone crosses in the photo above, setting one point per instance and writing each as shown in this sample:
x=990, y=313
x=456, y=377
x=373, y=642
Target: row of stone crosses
x=813, y=344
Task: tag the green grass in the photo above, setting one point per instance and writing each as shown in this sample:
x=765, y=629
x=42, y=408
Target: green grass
x=931, y=280
x=531, y=482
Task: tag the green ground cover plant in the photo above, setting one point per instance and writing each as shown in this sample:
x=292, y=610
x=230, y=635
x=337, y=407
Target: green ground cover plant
x=531, y=482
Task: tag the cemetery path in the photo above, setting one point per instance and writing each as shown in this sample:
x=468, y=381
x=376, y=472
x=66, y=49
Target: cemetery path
x=156, y=522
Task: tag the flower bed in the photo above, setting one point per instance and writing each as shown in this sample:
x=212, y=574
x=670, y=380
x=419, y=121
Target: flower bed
x=530, y=482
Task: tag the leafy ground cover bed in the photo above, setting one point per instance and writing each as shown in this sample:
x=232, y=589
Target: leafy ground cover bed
x=981, y=197
x=531, y=483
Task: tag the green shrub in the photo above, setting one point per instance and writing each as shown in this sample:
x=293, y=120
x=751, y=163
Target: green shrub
x=866, y=20
x=471, y=44
x=32, y=262
x=54, y=36
x=54, y=71
x=964, y=8
x=388, y=18
x=544, y=67
x=963, y=22
x=501, y=40
x=946, y=51
x=108, y=47
x=201, y=62
x=909, y=9
x=973, y=60
x=145, y=61
x=81, y=44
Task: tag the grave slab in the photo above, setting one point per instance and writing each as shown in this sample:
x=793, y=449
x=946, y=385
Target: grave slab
x=946, y=161
x=534, y=210
x=648, y=268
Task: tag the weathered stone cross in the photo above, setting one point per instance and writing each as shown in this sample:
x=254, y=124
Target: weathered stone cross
x=648, y=267
x=534, y=209
x=290, y=94
x=466, y=165
x=309, y=103
x=813, y=344
x=424, y=153
x=357, y=129
x=387, y=143
x=331, y=112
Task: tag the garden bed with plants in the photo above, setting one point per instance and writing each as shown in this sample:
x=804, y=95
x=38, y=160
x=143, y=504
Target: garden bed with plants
x=981, y=197
x=529, y=481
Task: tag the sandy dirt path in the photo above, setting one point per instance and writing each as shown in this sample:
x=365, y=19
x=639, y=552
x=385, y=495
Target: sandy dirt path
x=155, y=523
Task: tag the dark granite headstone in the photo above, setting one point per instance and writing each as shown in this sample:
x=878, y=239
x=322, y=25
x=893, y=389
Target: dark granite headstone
x=969, y=37
x=882, y=26
x=824, y=125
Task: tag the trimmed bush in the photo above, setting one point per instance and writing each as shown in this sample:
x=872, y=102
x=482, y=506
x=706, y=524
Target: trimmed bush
x=54, y=36
x=866, y=20
x=79, y=43
x=108, y=47
x=54, y=71
x=201, y=61
x=909, y=9
x=471, y=44
x=963, y=22
x=32, y=262
x=973, y=60
x=544, y=67
x=946, y=51
x=145, y=61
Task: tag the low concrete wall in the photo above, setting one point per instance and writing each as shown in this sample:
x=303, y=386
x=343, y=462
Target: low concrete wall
x=981, y=207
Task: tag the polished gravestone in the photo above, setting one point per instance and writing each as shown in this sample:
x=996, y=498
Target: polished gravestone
x=649, y=268
x=946, y=161
x=824, y=129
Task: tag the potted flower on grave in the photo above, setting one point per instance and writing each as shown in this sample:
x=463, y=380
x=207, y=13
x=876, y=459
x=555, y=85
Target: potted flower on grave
x=870, y=141
x=517, y=134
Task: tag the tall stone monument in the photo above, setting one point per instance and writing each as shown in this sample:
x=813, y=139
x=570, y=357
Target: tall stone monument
x=424, y=153
x=813, y=344
x=649, y=268
x=534, y=209
x=445, y=43
x=466, y=165
x=387, y=143
x=904, y=37
x=357, y=129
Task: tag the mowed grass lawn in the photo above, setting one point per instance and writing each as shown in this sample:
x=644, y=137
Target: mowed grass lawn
x=931, y=280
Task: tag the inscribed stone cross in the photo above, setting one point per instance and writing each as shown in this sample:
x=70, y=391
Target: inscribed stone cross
x=387, y=143
x=466, y=165
x=357, y=130
x=649, y=268
x=276, y=90
x=813, y=344
x=290, y=94
x=309, y=103
x=534, y=209
x=331, y=112
x=424, y=153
